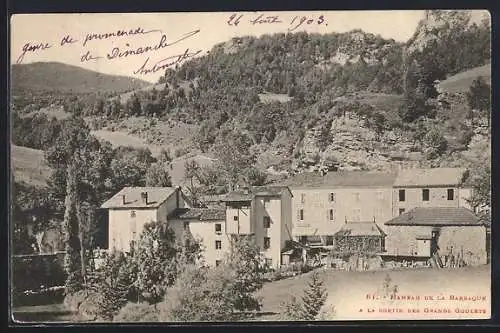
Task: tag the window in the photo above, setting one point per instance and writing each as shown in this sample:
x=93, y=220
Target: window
x=218, y=228
x=235, y=218
x=451, y=194
x=331, y=197
x=330, y=214
x=267, y=242
x=132, y=213
x=217, y=263
x=303, y=198
x=329, y=240
x=425, y=194
x=269, y=262
x=266, y=202
x=401, y=211
x=301, y=214
x=402, y=195
x=218, y=245
x=186, y=225
x=267, y=222
x=303, y=239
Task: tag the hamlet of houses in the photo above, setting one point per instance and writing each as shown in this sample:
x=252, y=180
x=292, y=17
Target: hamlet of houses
x=411, y=215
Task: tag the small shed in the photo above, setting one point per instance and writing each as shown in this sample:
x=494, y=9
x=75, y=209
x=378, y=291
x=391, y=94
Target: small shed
x=360, y=237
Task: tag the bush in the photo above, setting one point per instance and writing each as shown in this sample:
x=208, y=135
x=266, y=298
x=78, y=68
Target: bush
x=73, y=301
x=137, y=312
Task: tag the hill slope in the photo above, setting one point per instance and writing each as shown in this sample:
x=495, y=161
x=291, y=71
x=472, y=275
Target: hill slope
x=54, y=76
x=28, y=165
x=461, y=82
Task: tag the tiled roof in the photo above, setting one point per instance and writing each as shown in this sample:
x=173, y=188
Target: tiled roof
x=250, y=193
x=436, y=216
x=202, y=214
x=133, y=199
x=430, y=177
x=360, y=229
x=341, y=179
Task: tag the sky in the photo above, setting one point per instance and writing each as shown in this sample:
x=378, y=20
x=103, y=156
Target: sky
x=37, y=37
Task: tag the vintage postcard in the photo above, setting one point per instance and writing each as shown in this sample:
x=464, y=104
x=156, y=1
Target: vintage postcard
x=250, y=166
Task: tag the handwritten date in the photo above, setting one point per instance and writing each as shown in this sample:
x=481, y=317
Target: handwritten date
x=296, y=22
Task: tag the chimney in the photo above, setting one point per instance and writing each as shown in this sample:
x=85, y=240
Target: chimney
x=123, y=199
x=144, y=196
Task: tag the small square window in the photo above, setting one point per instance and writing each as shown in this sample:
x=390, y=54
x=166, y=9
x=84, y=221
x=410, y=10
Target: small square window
x=330, y=214
x=267, y=222
x=218, y=245
x=451, y=194
x=217, y=263
x=402, y=195
x=267, y=243
x=301, y=214
x=425, y=194
x=401, y=211
x=132, y=213
x=269, y=262
x=331, y=197
x=329, y=240
x=235, y=218
x=218, y=228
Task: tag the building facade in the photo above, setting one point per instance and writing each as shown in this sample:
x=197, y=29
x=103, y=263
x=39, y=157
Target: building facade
x=208, y=226
x=132, y=207
x=448, y=231
x=263, y=213
x=439, y=187
x=323, y=203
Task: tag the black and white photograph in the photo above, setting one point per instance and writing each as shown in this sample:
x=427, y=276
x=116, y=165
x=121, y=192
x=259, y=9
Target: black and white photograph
x=180, y=167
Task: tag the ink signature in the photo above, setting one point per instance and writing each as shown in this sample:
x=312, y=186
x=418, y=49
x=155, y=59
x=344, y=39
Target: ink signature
x=164, y=63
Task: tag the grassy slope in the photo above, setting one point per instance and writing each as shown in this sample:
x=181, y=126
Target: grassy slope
x=29, y=165
x=347, y=290
x=61, y=77
x=462, y=81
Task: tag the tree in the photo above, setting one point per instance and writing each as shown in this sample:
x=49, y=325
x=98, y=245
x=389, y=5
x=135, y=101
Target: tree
x=479, y=97
x=234, y=157
x=314, y=297
x=188, y=251
x=154, y=256
x=112, y=284
x=244, y=262
x=72, y=258
x=481, y=191
x=255, y=177
x=436, y=143
x=200, y=294
x=191, y=174
x=158, y=176
x=309, y=307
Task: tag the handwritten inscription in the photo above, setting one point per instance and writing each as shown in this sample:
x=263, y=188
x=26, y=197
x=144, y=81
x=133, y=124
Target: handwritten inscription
x=262, y=19
x=146, y=68
x=119, y=33
x=31, y=47
x=116, y=52
x=119, y=52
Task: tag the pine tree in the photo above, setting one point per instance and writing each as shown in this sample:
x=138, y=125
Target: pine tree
x=314, y=298
x=72, y=259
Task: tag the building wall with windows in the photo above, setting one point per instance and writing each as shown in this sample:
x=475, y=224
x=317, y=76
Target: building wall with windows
x=212, y=235
x=323, y=211
x=408, y=198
